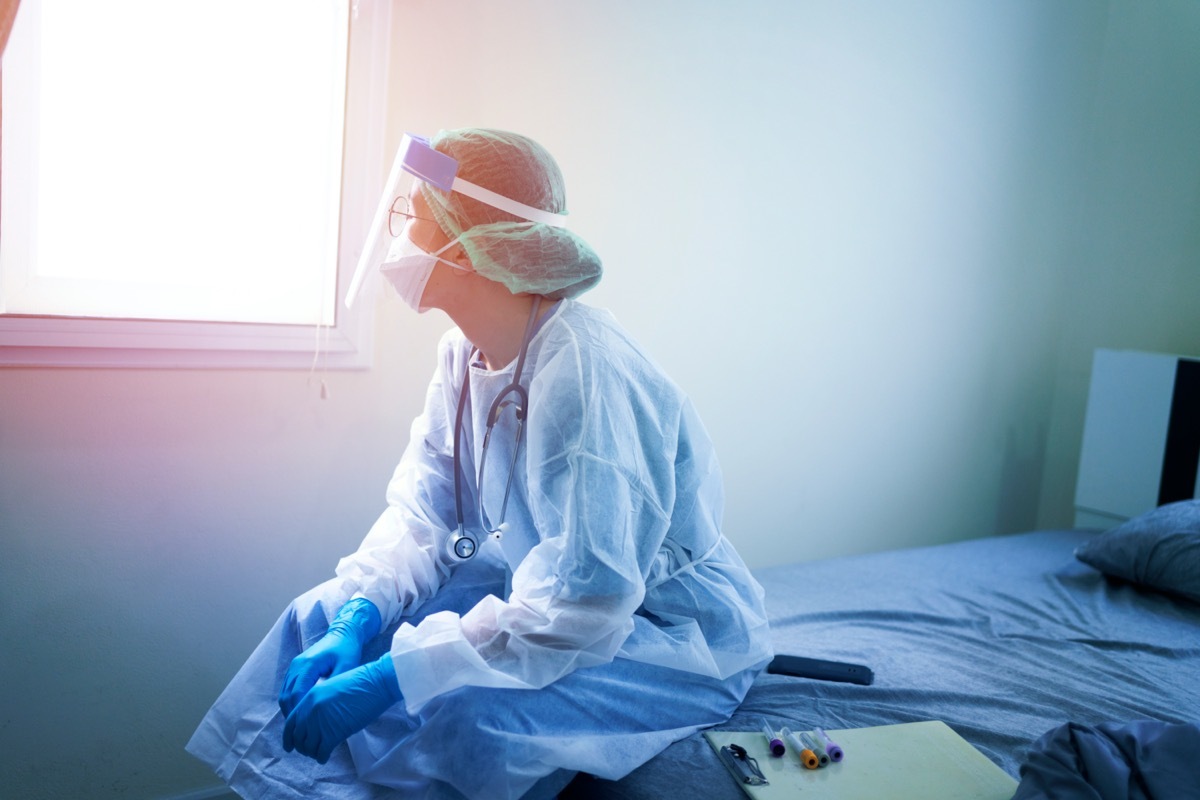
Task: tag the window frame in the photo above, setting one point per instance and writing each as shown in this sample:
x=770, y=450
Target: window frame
x=51, y=341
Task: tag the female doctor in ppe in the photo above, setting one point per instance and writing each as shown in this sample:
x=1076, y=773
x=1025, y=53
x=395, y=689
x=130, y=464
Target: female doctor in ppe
x=548, y=591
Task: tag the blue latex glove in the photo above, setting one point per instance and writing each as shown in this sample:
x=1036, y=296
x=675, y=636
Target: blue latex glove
x=343, y=705
x=339, y=650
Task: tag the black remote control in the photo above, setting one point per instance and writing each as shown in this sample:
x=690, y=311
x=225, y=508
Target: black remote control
x=820, y=670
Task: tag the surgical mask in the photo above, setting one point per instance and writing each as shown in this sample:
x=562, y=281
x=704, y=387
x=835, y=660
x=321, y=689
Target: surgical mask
x=408, y=268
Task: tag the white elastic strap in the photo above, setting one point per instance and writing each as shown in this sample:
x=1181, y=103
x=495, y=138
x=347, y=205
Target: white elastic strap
x=508, y=204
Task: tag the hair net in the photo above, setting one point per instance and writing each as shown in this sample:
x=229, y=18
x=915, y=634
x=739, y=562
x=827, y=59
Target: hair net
x=527, y=257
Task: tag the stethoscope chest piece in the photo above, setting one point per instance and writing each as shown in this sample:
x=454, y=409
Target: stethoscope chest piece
x=464, y=547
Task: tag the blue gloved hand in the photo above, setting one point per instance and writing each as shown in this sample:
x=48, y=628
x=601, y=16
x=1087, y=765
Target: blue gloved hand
x=339, y=650
x=343, y=705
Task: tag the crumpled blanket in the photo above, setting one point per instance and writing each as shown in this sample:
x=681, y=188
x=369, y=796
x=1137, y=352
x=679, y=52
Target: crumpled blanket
x=1143, y=760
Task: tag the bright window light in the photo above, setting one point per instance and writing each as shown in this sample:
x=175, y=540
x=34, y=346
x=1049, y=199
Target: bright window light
x=174, y=161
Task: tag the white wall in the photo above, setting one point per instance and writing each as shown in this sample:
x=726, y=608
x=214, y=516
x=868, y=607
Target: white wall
x=876, y=241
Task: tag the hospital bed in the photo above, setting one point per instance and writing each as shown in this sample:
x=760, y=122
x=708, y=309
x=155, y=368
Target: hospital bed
x=1003, y=639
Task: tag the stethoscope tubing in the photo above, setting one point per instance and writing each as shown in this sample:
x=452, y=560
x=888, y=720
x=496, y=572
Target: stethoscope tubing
x=463, y=544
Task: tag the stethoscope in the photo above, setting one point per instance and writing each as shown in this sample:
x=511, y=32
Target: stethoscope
x=462, y=545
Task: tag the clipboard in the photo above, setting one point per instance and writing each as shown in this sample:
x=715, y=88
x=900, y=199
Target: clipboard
x=911, y=761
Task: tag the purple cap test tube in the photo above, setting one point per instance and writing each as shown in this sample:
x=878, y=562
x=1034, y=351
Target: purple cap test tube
x=774, y=743
x=831, y=747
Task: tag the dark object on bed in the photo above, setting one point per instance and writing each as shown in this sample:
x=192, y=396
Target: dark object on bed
x=1003, y=638
x=818, y=669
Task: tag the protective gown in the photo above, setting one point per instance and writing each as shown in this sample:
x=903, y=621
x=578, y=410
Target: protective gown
x=611, y=618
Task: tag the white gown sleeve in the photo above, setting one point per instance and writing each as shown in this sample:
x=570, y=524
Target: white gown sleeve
x=401, y=562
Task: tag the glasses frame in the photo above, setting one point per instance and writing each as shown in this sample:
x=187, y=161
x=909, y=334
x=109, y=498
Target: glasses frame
x=404, y=212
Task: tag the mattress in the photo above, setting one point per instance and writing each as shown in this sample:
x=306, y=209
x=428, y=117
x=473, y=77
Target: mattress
x=1003, y=639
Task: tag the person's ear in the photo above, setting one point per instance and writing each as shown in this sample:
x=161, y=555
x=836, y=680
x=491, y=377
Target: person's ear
x=458, y=255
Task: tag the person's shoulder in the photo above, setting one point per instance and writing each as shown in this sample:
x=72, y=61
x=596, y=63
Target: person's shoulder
x=591, y=334
x=597, y=326
x=607, y=351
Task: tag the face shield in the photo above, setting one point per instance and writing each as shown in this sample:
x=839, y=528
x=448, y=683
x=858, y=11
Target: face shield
x=417, y=160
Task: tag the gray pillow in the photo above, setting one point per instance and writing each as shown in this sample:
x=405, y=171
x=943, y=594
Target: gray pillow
x=1160, y=550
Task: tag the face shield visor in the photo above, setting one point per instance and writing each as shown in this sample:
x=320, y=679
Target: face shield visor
x=416, y=160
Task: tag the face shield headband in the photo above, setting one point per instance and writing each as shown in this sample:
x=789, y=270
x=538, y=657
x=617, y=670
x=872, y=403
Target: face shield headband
x=416, y=157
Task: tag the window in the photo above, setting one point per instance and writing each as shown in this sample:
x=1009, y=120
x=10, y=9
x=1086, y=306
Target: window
x=188, y=184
